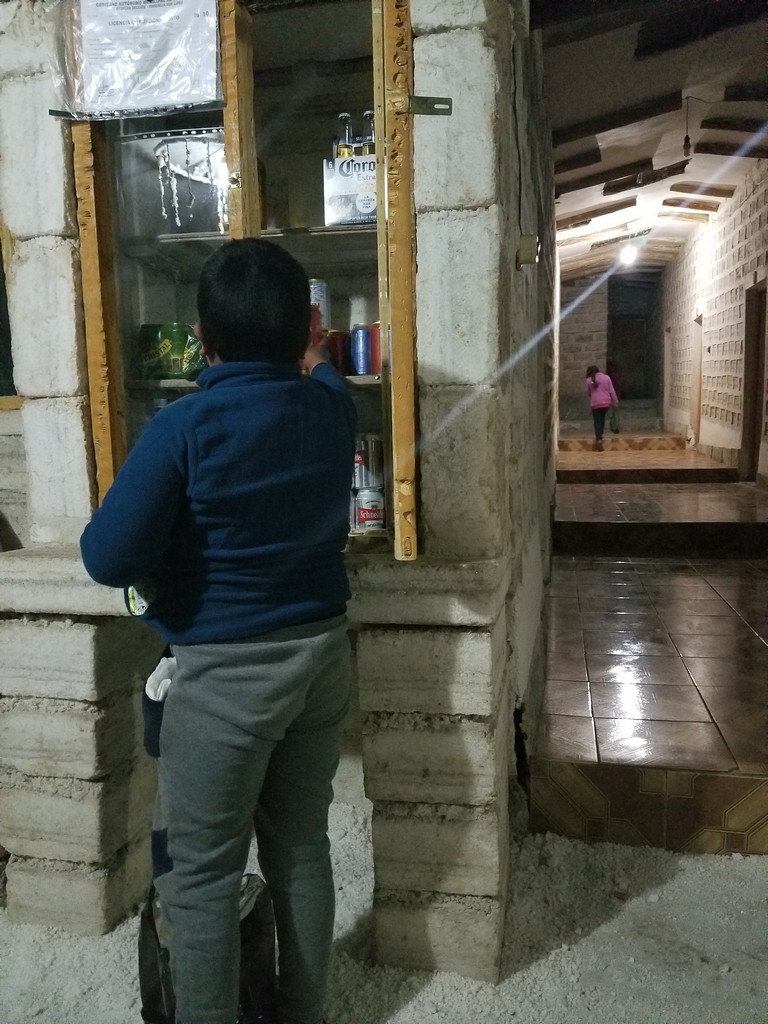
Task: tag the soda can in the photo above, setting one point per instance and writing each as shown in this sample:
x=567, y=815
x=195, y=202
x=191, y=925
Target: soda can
x=374, y=460
x=376, y=347
x=315, y=324
x=360, y=349
x=338, y=343
x=320, y=295
x=193, y=360
x=370, y=509
x=360, y=471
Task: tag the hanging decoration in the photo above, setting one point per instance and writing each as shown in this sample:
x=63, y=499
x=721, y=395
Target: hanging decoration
x=197, y=164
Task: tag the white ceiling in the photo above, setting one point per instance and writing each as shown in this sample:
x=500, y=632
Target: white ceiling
x=591, y=74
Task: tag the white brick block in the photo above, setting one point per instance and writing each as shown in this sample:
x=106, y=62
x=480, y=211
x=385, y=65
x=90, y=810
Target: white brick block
x=79, y=661
x=67, y=739
x=464, y=511
x=457, y=314
x=36, y=148
x=74, y=820
x=78, y=898
x=455, y=157
x=51, y=579
x=46, y=313
x=441, y=849
x=417, y=759
x=57, y=442
x=25, y=30
x=462, y=934
x=432, y=15
x=438, y=671
x=425, y=592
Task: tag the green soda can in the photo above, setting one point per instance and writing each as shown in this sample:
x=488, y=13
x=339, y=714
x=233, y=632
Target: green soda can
x=193, y=360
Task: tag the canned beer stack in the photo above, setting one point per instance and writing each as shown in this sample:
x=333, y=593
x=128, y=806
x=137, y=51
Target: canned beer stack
x=366, y=503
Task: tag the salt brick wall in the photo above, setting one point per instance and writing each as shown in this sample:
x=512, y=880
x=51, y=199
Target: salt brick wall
x=75, y=792
x=708, y=279
x=583, y=336
x=438, y=697
x=486, y=365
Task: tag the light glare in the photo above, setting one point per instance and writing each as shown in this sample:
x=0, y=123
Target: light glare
x=628, y=254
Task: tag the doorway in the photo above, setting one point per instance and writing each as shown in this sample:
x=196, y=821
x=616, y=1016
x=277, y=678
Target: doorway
x=694, y=409
x=754, y=380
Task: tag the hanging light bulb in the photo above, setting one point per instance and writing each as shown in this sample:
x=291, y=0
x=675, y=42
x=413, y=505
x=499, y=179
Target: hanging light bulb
x=628, y=254
x=687, y=139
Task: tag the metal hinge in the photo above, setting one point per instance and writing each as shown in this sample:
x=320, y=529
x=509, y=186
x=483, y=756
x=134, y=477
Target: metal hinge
x=435, y=105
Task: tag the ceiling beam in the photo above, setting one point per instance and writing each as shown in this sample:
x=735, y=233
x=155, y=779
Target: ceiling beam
x=750, y=125
x=586, y=216
x=558, y=12
x=746, y=92
x=697, y=218
x=606, y=175
x=673, y=30
x=573, y=163
x=692, y=204
x=625, y=237
x=618, y=118
x=732, y=149
x=698, y=188
x=644, y=178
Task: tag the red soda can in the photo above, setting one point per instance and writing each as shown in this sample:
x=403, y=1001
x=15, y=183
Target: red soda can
x=338, y=343
x=376, y=347
x=315, y=324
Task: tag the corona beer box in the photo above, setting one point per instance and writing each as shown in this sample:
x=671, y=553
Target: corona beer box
x=349, y=188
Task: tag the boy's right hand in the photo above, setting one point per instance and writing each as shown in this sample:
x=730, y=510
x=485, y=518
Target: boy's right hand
x=315, y=355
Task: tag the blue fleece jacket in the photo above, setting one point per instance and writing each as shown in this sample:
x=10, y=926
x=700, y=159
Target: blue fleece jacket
x=234, y=504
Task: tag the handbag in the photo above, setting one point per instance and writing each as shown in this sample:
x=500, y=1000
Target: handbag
x=614, y=422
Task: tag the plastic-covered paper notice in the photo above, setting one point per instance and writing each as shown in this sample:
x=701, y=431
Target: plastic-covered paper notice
x=120, y=58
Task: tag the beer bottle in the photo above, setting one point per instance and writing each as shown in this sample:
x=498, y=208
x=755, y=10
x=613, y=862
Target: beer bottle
x=369, y=138
x=344, y=145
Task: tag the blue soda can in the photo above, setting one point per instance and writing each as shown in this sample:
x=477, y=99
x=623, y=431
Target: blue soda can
x=360, y=349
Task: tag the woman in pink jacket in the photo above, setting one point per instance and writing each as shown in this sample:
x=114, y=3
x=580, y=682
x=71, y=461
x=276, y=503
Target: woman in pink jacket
x=601, y=397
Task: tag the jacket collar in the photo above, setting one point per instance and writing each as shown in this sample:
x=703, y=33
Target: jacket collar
x=247, y=373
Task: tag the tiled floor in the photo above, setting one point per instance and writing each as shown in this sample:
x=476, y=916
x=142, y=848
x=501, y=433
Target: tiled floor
x=653, y=728
x=662, y=503
x=654, y=724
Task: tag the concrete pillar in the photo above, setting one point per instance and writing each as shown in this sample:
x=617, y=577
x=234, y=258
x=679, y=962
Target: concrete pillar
x=438, y=639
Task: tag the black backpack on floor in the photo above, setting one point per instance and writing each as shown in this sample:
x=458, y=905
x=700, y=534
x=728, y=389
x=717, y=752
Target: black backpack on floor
x=257, y=958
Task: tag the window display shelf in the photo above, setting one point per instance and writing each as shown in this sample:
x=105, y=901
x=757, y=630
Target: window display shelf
x=176, y=256
x=170, y=384
x=370, y=380
x=321, y=251
x=330, y=251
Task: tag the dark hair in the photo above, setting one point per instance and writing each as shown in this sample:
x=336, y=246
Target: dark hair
x=253, y=303
x=591, y=371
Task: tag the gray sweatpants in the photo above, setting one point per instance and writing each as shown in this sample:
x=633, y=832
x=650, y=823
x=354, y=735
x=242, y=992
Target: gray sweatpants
x=250, y=736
